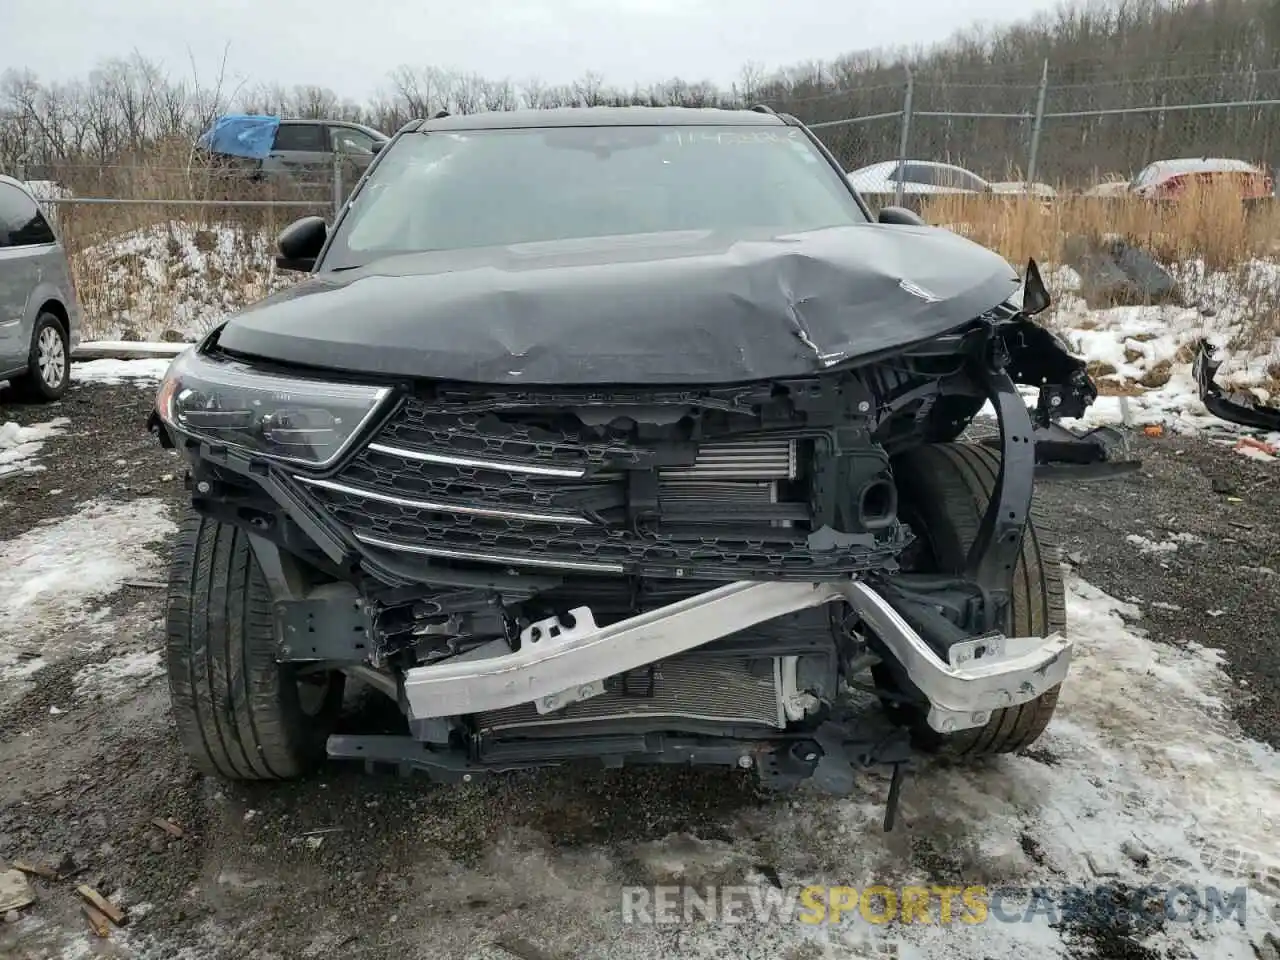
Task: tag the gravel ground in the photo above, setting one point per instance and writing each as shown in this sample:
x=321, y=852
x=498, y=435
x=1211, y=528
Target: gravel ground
x=375, y=867
x=1218, y=588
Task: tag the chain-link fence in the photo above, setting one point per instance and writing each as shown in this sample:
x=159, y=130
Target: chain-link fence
x=314, y=185
x=1055, y=134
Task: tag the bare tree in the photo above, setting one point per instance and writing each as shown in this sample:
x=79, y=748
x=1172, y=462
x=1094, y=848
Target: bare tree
x=588, y=89
x=1102, y=55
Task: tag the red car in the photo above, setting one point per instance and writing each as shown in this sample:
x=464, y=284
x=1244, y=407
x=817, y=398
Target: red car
x=1166, y=179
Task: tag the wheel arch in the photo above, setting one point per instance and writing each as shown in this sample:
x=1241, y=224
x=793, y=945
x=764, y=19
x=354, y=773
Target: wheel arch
x=57, y=308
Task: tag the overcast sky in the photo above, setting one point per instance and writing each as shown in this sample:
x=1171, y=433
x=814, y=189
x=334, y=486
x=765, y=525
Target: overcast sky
x=350, y=45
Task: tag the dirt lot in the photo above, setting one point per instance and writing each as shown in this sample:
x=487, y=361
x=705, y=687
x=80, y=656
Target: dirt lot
x=1154, y=771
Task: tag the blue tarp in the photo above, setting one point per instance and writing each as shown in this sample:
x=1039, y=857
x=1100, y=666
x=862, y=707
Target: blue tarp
x=241, y=135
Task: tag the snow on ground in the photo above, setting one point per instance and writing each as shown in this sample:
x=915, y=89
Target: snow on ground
x=19, y=445
x=142, y=372
x=174, y=280
x=118, y=677
x=1141, y=357
x=51, y=575
x=1169, y=544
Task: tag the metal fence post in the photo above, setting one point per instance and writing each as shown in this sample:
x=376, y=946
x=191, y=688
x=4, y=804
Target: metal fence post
x=906, y=136
x=1037, y=126
x=337, y=183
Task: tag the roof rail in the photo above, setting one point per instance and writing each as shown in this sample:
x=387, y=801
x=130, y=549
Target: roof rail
x=763, y=108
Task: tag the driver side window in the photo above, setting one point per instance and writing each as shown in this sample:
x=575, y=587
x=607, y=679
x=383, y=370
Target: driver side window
x=350, y=140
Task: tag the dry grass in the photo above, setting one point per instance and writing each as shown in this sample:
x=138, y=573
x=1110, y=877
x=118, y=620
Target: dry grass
x=1206, y=223
x=163, y=188
x=160, y=269
x=1215, y=241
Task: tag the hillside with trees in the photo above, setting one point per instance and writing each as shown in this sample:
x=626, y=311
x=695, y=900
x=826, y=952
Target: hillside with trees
x=1100, y=56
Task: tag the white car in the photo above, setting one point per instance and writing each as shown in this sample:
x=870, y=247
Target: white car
x=1108, y=188
x=1041, y=190
x=919, y=178
x=1166, y=179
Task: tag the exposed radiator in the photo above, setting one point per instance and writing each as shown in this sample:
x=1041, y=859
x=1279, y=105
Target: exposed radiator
x=719, y=690
x=745, y=472
x=692, y=489
x=745, y=460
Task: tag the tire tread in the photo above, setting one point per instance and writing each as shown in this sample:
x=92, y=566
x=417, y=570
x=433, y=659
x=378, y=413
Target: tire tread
x=236, y=708
x=958, y=479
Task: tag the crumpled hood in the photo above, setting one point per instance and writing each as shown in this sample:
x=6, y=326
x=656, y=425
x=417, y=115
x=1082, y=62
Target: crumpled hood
x=664, y=308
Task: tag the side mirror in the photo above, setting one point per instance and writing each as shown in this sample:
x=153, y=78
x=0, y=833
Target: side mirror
x=300, y=243
x=377, y=146
x=901, y=216
x=1035, y=295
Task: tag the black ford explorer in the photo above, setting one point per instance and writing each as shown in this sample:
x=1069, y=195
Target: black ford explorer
x=624, y=435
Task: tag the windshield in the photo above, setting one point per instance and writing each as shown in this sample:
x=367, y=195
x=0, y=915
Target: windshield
x=448, y=191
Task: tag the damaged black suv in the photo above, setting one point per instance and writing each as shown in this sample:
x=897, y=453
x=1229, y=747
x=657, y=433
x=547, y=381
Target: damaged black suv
x=624, y=435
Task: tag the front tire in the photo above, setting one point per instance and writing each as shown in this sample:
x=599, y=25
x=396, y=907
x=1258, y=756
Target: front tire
x=241, y=715
x=944, y=489
x=48, y=362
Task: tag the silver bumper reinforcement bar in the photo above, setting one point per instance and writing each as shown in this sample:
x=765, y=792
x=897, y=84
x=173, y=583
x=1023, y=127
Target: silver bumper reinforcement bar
x=560, y=662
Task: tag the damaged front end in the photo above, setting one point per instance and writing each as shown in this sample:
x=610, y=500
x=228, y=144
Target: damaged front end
x=679, y=574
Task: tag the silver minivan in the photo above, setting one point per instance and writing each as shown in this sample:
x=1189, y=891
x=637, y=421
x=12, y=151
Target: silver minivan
x=39, y=314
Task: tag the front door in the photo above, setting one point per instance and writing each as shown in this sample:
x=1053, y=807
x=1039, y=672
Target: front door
x=19, y=274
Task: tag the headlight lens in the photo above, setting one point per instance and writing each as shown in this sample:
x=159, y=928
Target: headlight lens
x=285, y=418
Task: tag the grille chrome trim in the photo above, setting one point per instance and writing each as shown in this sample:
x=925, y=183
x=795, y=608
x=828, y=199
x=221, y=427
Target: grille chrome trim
x=437, y=506
x=446, y=553
x=502, y=466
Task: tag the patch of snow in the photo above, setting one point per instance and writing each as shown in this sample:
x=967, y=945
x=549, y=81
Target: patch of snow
x=143, y=372
x=1062, y=279
x=119, y=676
x=20, y=445
x=177, y=278
x=1148, y=350
x=50, y=576
x=1168, y=545
x=102, y=349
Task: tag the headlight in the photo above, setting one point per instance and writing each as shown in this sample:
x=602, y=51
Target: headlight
x=281, y=417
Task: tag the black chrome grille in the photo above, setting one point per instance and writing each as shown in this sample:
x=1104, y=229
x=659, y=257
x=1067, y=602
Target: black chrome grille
x=489, y=436
x=499, y=487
